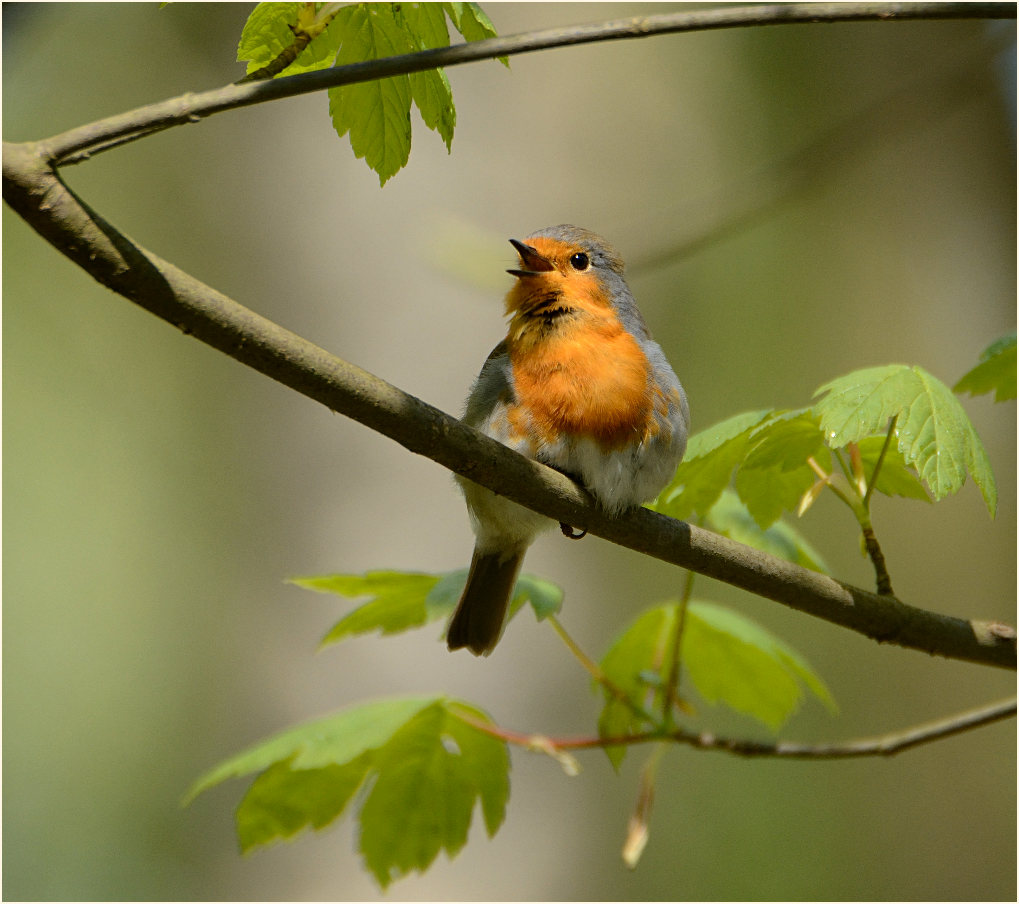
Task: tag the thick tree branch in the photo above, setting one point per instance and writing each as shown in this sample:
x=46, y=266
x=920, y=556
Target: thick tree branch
x=33, y=189
x=80, y=143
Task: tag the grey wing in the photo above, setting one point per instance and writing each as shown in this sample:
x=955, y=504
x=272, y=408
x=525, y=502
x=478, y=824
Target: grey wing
x=491, y=387
x=679, y=410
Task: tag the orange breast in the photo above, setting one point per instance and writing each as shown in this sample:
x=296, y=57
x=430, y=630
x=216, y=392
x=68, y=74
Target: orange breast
x=589, y=379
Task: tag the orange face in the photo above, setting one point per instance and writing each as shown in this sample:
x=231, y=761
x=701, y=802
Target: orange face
x=561, y=278
x=576, y=369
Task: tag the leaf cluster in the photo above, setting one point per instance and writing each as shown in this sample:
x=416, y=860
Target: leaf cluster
x=906, y=433
x=290, y=38
x=728, y=658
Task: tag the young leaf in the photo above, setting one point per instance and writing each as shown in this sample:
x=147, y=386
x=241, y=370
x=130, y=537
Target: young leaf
x=545, y=597
x=428, y=778
x=425, y=763
x=471, y=21
x=282, y=800
x=774, y=475
x=934, y=434
x=734, y=661
x=707, y=467
x=638, y=654
x=729, y=517
x=895, y=478
x=398, y=601
x=402, y=600
x=375, y=113
x=268, y=34
x=425, y=25
x=996, y=371
x=334, y=740
x=289, y=38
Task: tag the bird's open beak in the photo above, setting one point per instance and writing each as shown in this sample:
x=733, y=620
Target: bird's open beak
x=533, y=263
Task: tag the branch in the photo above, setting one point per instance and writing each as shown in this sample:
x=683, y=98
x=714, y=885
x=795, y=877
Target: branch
x=79, y=144
x=882, y=745
x=35, y=191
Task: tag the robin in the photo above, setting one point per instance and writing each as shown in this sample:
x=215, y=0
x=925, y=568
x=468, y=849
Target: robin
x=577, y=384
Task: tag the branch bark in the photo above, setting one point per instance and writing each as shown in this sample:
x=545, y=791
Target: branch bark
x=35, y=191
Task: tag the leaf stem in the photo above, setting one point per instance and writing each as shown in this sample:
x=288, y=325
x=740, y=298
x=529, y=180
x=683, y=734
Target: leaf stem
x=872, y=482
x=595, y=672
x=829, y=481
x=859, y=504
x=846, y=470
x=670, y=700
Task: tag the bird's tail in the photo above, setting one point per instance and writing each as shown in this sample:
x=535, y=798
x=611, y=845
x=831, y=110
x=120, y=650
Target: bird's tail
x=478, y=621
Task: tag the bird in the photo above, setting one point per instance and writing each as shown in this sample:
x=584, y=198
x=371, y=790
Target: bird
x=578, y=384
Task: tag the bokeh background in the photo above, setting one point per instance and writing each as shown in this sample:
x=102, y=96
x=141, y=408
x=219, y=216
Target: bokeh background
x=795, y=203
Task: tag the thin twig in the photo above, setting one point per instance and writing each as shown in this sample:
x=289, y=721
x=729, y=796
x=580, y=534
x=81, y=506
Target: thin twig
x=881, y=745
x=76, y=144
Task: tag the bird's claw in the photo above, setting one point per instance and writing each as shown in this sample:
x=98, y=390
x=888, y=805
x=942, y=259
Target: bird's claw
x=569, y=532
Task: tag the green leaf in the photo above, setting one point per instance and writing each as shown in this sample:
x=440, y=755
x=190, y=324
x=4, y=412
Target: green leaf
x=472, y=22
x=996, y=371
x=267, y=34
x=728, y=658
x=443, y=597
x=335, y=739
x=730, y=517
x=636, y=664
x=734, y=661
x=767, y=449
x=284, y=800
x=425, y=25
x=425, y=763
x=774, y=475
x=429, y=776
x=488, y=759
x=707, y=467
x=545, y=597
x=934, y=434
x=376, y=113
x=895, y=478
x=401, y=600
x=398, y=601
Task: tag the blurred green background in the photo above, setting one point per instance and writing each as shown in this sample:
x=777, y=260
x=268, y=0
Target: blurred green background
x=823, y=198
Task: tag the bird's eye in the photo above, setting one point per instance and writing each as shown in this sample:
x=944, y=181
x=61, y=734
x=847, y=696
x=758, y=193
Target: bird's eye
x=580, y=261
